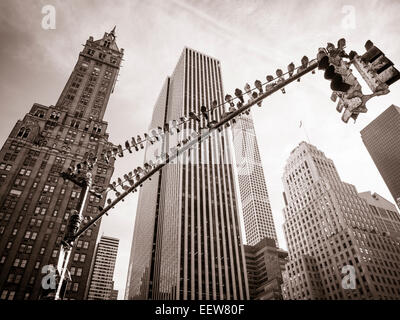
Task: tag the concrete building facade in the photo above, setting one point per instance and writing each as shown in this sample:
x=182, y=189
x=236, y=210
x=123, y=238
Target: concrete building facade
x=337, y=249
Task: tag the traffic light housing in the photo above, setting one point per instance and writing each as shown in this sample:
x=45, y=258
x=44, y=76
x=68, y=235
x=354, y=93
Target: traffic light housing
x=331, y=72
x=337, y=82
x=343, y=83
x=376, y=69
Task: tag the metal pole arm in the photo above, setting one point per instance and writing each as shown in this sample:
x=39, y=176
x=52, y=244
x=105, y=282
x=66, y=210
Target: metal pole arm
x=313, y=65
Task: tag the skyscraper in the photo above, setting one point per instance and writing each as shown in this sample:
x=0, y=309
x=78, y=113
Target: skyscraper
x=385, y=213
x=382, y=140
x=35, y=203
x=331, y=233
x=265, y=263
x=257, y=214
x=187, y=238
x=101, y=283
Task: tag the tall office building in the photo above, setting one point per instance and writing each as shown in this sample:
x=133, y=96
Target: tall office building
x=382, y=140
x=101, y=283
x=35, y=202
x=385, y=213
x=265, y=264
x=257, y=214
x=187, y=238
x=329, y=226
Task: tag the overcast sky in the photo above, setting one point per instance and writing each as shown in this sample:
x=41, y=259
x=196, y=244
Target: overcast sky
x=250, y=38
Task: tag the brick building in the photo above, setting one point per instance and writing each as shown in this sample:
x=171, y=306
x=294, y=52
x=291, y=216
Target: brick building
x=35, y=202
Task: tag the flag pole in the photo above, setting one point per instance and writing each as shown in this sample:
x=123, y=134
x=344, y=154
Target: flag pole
x=305, y=130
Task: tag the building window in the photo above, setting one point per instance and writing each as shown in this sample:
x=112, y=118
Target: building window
x=23, y=263
x=39, y=113
x=55, y=115
x=4, y=294
x=18, y=279
x=84, y=66
x=11, y=277
x=11, y=295
x=23, y=133
x=14, y=192
x=16, y=262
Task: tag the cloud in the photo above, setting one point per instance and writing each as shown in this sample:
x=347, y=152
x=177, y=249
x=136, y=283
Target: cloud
x=250, y=38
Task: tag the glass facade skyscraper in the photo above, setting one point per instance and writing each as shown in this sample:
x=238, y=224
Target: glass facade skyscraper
x=382, y=140
x=187, y=239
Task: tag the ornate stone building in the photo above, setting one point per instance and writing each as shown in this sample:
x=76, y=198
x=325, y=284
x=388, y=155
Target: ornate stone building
x=35, y=202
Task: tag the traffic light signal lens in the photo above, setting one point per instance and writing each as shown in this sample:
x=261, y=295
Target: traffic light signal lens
x=323, y=63
x=337, y=84
x=330, y=72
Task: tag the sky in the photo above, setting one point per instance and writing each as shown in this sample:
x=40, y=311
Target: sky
x=251, y=38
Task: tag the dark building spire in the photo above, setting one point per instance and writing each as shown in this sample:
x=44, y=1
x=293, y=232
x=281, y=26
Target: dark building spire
x=113, y=31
